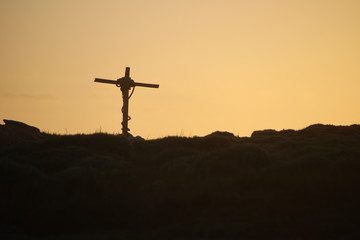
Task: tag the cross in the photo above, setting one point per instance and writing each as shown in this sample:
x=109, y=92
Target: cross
x=125, y=84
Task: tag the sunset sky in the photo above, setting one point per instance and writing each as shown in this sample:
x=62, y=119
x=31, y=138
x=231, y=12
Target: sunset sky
x=227, y=65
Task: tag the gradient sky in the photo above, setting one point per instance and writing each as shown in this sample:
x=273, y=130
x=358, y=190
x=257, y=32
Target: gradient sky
x=228, y=65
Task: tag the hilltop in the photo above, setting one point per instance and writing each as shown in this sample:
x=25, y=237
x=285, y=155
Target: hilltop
x=275, y=184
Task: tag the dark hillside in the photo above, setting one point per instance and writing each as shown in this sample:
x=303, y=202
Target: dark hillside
x=274, y=185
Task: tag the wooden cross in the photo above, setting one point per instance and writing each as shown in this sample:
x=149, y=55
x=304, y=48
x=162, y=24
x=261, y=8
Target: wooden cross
x=125, y=84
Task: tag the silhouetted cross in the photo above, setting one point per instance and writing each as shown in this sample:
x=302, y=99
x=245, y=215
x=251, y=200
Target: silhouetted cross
x=125, y=84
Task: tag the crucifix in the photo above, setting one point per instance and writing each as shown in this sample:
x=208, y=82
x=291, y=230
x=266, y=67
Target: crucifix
x=125, y=84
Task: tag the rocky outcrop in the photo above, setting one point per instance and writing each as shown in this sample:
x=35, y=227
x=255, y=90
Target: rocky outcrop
x=14, y=132
x=221, y=134
x=264, y=133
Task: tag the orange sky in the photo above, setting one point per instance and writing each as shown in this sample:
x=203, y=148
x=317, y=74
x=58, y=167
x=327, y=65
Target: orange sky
x=229, y=65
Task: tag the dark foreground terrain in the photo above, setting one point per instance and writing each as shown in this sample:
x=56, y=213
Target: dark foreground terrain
x=274, y=185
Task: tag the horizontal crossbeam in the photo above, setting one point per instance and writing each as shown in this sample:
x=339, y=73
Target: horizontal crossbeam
x=147, y=85
x=105, y=81
x=101, y=80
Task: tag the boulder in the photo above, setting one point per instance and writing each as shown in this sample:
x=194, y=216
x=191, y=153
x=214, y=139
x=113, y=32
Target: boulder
x=14, y=132
x=264, y=133
x=221, y=134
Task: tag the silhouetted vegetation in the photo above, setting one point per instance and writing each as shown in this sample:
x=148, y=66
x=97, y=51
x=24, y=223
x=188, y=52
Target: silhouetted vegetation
x=273, y=185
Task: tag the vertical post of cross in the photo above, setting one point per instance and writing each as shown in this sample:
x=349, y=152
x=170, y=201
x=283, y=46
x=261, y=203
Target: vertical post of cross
x=125, y=109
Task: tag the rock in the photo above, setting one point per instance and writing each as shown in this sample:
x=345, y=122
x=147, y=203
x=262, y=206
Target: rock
x=264, y=133
x=221, y=134
x=14, y=132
